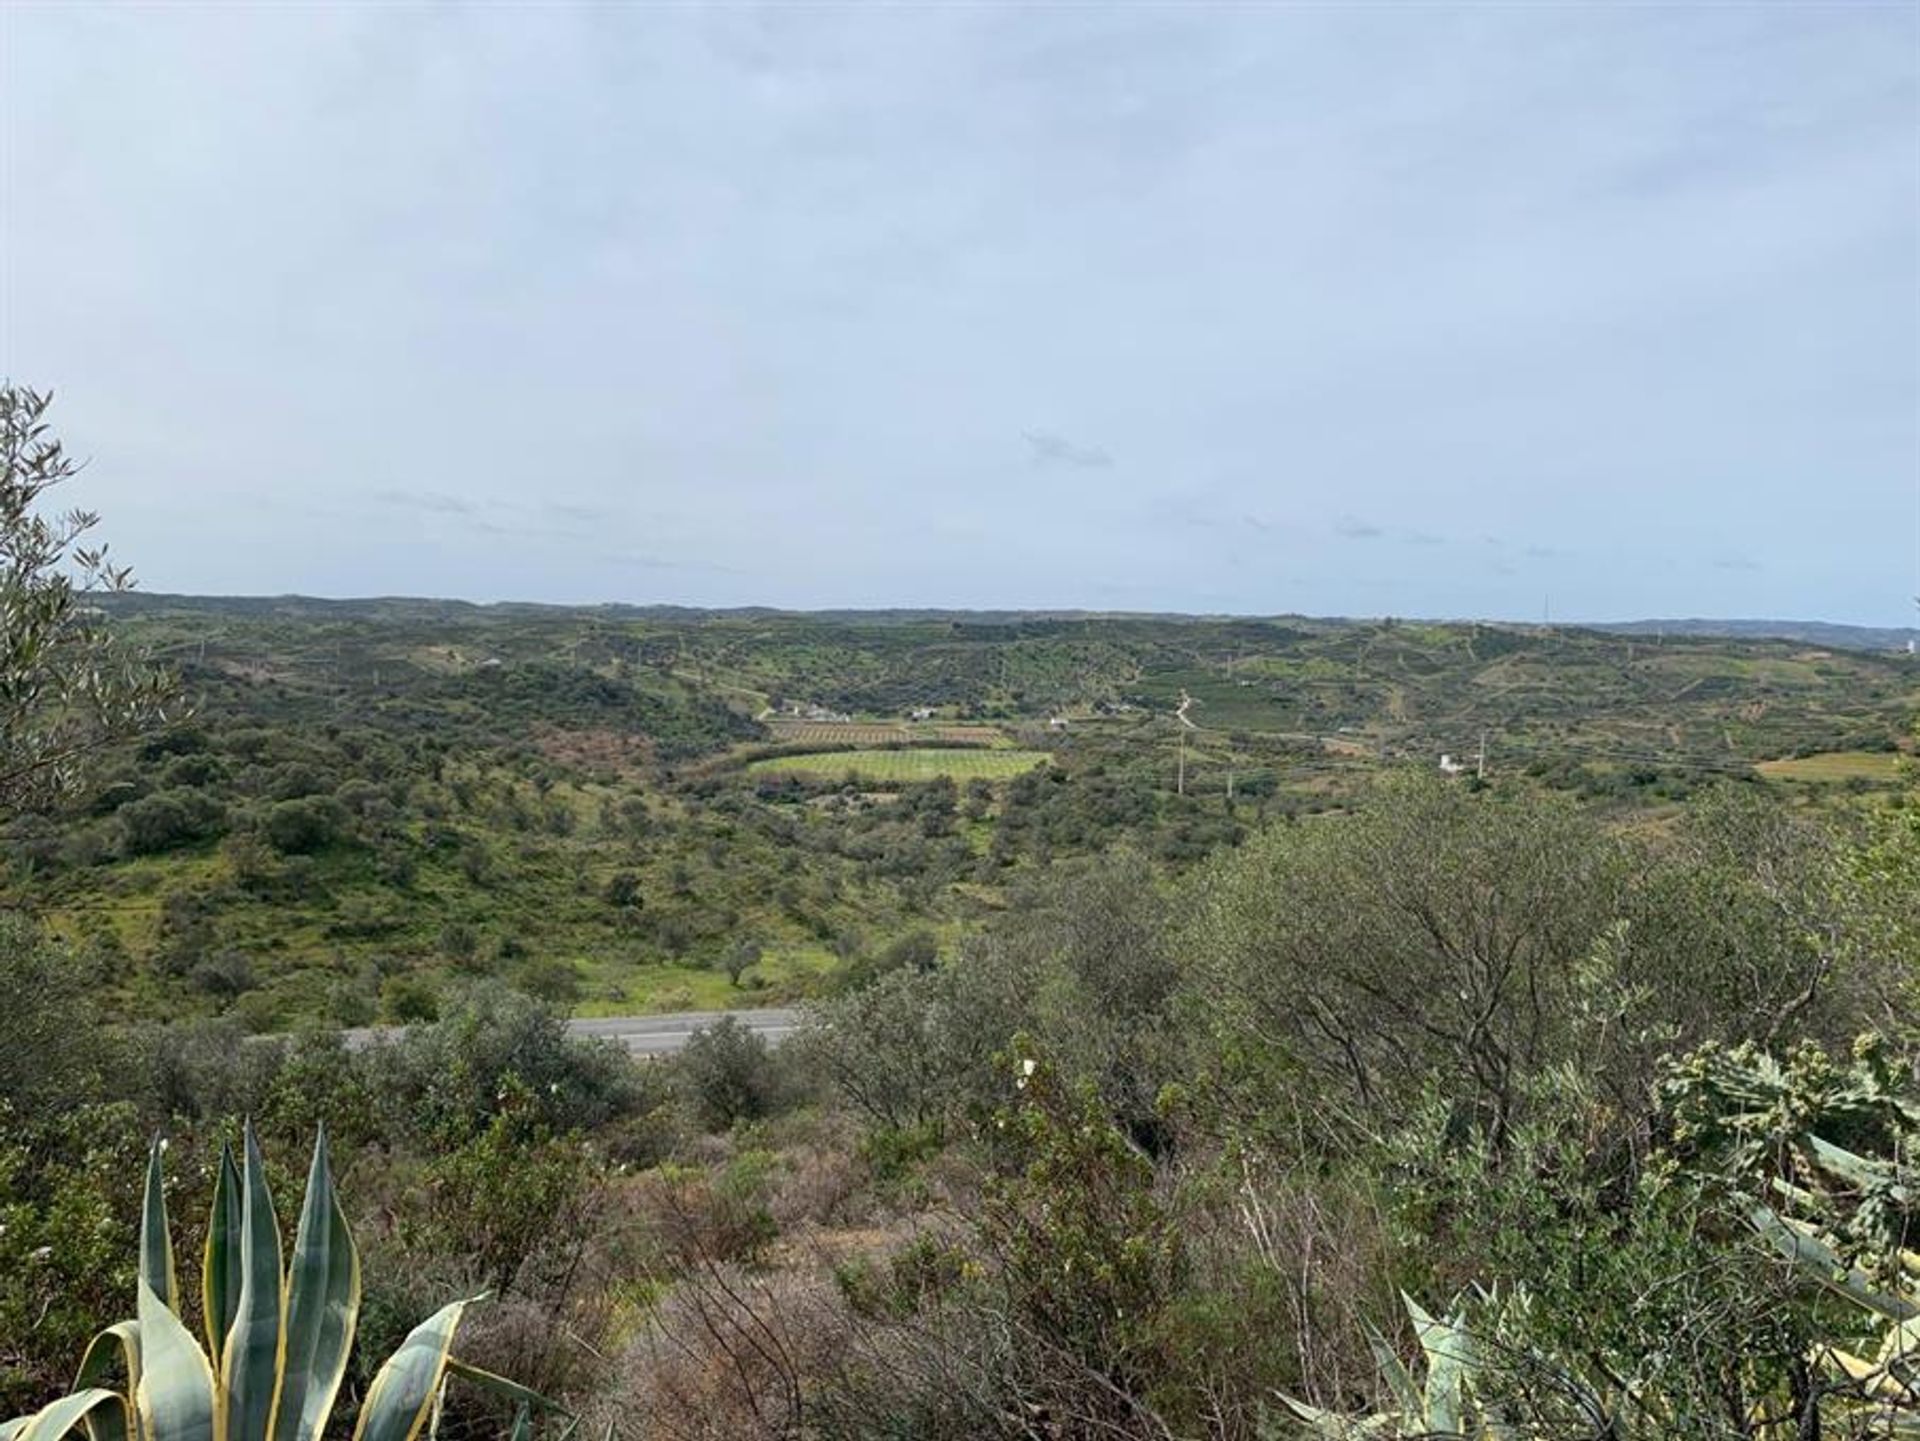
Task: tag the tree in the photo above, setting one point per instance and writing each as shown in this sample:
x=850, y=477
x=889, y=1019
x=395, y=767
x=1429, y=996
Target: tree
x=739, y=958
x=68, y=688
x=623, y=891
x=1431, y=932
x=729, y=1074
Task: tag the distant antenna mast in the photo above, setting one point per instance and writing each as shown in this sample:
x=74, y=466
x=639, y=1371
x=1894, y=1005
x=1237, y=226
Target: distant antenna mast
x=1480, y=767
x=1180, y=784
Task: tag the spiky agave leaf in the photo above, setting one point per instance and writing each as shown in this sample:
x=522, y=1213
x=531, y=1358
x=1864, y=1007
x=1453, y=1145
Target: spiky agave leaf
x=1799, y=1243
x=323, y=1304
x=102, y=1412
x=120, y=1342
x=220, y=1265
x=402, y=1393
x=1449, y=1353
x=156, y=1242
x=250, y=1362
x=175, y=1393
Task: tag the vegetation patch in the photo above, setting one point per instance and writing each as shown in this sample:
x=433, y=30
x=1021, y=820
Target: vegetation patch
x=917, y=764
x=1880, y=766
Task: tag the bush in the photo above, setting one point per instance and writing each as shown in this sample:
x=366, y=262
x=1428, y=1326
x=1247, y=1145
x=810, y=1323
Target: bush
x=730, y=1074
x=300, y=827
x=552, y=980
x=444, y=1081
x=407, y=999
x=172, y=818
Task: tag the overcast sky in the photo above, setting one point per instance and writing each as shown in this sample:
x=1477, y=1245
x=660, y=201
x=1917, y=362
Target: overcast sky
x=1374, y=309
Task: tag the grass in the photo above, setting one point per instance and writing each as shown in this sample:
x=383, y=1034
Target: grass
x=924, y=764
x=1834, y=766
x=783, y=974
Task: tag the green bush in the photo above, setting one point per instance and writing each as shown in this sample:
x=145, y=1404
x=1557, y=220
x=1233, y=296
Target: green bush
x=161, y=822
x=730, y=1074
x=300, y=827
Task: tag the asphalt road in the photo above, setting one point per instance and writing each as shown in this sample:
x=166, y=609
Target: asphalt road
x=646, y=1035
x=653, y=1035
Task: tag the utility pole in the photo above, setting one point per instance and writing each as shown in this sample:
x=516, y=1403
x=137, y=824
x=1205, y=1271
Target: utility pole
x=1180, y=714
x=1480, y=769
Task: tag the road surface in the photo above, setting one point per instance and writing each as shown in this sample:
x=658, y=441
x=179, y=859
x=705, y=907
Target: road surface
x=654, y=1035
x=642, y=1035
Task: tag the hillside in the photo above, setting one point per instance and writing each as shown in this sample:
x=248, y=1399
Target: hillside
x=626, y=811
x=1806, y=632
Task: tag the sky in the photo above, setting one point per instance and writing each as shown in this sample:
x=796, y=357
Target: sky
x=1506, y=310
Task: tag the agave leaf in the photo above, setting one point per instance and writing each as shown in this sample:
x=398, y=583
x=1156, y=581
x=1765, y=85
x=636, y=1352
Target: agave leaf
x=220, y=1269
x=175, y=1397
x=1874, y=1380
x=323, y=1304
x=522, y=1424
x=1399, y=1380
x=1798, y=1244
x=501, y=1385
x=1900, y=1342
x=1448, y=1353
x=402, y=1393
x=1312, y=1415
x=156, y=1244
x=9, y=1430
x=1857, y=1170
x=250, y=1364
x=119, y=1342
x=70, y=1413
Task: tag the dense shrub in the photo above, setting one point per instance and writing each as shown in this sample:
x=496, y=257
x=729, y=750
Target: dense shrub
x=167, y=819
x=298, y=827
x=730, y=1075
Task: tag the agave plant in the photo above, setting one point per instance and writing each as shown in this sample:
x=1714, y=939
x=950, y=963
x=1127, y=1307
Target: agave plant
x=1882, y=1388
x=277, y=1336
x=1475, y=1389
x=1438, y=1405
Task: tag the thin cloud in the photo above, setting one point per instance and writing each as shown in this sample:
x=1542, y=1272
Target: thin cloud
x=434, y=502
x=1050, y=449
x=572, y=510
x=1353, y=528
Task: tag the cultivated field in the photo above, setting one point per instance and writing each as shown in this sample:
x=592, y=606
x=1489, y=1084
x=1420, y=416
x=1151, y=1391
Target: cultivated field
x=1834, y=766
x=859, y=733
x=924, y=764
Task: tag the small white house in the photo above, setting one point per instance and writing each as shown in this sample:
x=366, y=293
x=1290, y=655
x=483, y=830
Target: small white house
x=1058, y=723
x=921, y=713
x=1451, y=767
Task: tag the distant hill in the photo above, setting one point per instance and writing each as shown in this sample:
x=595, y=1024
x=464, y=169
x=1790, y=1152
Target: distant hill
x=1807, y=632
x=429, y=609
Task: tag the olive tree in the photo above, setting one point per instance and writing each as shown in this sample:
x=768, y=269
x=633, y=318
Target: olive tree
x=68, y=686
x=1435, y=932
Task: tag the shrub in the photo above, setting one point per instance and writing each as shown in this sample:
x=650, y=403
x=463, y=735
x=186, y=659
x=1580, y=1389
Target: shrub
x=300, y=827
x=172, y=818
x=444, y=1081
x=408, y=999
x=730, y=1074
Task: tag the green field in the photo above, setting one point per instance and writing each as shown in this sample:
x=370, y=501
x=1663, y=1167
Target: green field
x=1834, y=766
x=925, y=764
